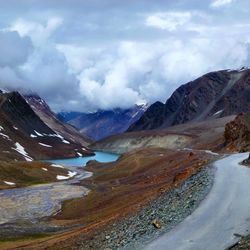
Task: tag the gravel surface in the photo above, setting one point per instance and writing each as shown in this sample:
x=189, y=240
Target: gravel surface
x=243, y=244
x=159, y=217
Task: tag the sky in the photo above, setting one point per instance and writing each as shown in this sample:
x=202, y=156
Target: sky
x=84, y=55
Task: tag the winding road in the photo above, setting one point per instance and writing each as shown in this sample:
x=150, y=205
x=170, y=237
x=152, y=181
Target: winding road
x=221, y=218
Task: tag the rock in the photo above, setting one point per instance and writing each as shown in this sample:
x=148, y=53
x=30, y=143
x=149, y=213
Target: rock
x=237, y=133
x=247, y=161
x=156, y=224
x=191, y=154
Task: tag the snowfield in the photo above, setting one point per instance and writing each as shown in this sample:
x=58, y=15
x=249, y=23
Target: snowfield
x=20, y=149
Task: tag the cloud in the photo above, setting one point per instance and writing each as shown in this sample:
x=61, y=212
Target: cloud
x=87, y=55
x=140, y=71
x=168, y=20
x=14, y=49
x=39, y=33
x=220, y=3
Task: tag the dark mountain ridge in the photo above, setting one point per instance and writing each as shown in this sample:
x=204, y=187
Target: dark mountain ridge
x=25, y=136
x=216, y=94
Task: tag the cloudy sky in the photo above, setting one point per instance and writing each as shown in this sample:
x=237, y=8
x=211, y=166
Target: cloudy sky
x=100, y=54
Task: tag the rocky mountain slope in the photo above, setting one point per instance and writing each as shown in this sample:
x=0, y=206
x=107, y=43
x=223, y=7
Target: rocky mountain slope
x=237, y=133
x=24, y=136
x=69, y=132
x=205, y=135
x=216, y=94
x=104, y=123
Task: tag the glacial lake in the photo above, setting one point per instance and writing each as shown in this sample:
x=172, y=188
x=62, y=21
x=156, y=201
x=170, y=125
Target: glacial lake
x=81, y=161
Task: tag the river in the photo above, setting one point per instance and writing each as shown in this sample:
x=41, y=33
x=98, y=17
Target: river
x=35, y=202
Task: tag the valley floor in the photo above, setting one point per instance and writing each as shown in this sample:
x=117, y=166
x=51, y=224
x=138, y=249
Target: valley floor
x=125, y=197
x=155, y=194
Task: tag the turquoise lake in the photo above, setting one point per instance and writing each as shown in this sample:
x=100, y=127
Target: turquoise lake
x=81, y=161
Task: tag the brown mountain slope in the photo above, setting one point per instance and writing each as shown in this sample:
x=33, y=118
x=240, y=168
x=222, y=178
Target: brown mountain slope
x=24, y=136
x=237, y=133
x=216, y=94
x=48, y=117
x=205, y=135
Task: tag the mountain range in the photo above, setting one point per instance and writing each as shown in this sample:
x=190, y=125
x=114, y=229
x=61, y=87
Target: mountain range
x=103, y=123
x=28, y=131
x=213, y=95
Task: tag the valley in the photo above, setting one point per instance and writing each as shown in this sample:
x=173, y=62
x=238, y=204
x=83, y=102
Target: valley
x=132, y=190
x=124, y=125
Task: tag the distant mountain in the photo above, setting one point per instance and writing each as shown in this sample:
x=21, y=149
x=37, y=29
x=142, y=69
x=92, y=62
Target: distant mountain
x=104, y=123
x=25, y=136
x=67, y=116
x=214, y=95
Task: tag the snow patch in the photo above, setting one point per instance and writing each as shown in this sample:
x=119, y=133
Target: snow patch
x=211, y=152
x=58, y=136
x=45, y=169
x=33, y=136
x=20, y=149
x=79, y=154
x=218, y=112
x=65, y=141
x=70, y=175
x=5, y=136
x=45, y=145
x=56, y=166
x=9, y=183
x=38, y=133
x=15, y=127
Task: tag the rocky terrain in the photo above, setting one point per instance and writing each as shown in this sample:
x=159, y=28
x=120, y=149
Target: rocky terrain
x=103, y=123
x=242, y=244
x=159, y=216
x=143, y=179
x=25, y=136
x=247, y=161
x=237, y=133
x=200, y=135
x=69, y=132
x=216, y=94
x=23, y=174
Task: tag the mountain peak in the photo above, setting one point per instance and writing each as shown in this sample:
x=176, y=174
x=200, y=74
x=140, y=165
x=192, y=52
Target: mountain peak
x=215, y=94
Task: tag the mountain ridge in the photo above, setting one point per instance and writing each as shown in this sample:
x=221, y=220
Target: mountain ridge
x=25, y=136
x=215, y=94
x=103, y=123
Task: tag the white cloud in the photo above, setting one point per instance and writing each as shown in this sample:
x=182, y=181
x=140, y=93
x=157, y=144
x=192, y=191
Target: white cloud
x=168, y=20
x=138, y=71
x=14, y=50
x=220, y=3
x=87, y=58
x=39, y=33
